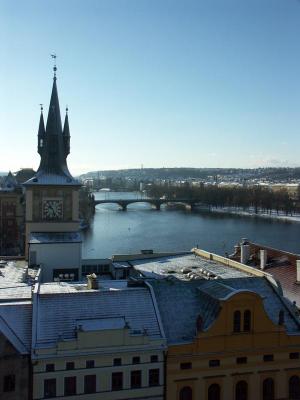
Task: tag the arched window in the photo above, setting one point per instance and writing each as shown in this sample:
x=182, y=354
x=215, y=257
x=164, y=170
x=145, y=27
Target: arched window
x=237, y=321
x=241, y=390
x=186, y=393
x=268, y=389
x=294, y=388
x=247, y=321
x=214, y=392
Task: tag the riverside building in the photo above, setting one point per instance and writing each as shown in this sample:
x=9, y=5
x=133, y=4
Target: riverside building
x=230, y=332
x=53, y=240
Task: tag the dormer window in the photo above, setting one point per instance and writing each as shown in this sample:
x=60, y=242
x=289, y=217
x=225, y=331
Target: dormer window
x=242, y=321
x=41, y=142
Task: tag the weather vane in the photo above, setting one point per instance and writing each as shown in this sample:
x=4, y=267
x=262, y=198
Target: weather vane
x=41, y=105
x=54, y=60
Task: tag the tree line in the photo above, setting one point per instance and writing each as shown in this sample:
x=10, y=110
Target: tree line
x=257, y=198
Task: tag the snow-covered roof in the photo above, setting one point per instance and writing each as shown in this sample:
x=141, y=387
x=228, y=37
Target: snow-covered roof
x=98, y=324
x=14, y=280
x=15, y=324
x=55, y=237
x=183, y=266
x=181, y=302
x=58, y=314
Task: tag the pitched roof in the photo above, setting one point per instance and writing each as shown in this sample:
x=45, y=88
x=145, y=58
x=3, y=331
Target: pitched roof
x=15, y=324
x=281, y=265
x=181, y=302
x=9, y=183
x=59, y=313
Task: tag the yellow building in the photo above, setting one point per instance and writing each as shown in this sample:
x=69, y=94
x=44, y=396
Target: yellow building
x=242, y=355
x=231, y=334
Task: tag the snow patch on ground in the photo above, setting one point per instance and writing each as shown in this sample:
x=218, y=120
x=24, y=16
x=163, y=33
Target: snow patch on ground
x=251, y=213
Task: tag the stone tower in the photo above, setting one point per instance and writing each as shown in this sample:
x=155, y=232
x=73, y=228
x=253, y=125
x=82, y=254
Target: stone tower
x=53, y=240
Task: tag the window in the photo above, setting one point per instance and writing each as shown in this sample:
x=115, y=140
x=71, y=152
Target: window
x=154, y=359
x=268, y=389
x=117, y=361
x=9, y=383
x=186, y=393
x=294, y=356
x=70, y=365
x=49, y=388
x=241, y=360
x=241, y=390
x=136, y=379
x=214, y=363
x=136, y=360
x=90, y=364
x=186, y=365
x=90, y=384
x=268, y=357
x=237, y=321
x=117, y=381
x=247, y=321
x=70, y=385
x=154, y=377
x=294, y=388
x=214, y=392
x=50, y=367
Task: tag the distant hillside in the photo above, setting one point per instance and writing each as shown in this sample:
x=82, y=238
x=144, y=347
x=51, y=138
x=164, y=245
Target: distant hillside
x=276, y=174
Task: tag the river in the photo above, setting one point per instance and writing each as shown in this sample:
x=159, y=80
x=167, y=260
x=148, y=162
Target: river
x=140, y=227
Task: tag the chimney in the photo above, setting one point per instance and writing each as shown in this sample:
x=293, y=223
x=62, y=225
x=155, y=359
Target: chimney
x=92, y=282
x=263, y=259
x=298, y=270
x=245, y=251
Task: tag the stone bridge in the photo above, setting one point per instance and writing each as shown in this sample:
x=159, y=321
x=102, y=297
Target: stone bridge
x=155, y=203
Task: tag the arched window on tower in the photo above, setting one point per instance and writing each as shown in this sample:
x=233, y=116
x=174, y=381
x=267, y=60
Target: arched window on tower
x=241, y=390
x=268, y=389
x=237, y=321
x=294, y=388
x=247, y=321
x=186, y=393
x=214, y=392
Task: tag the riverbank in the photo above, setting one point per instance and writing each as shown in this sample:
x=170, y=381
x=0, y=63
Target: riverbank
x=261, y=214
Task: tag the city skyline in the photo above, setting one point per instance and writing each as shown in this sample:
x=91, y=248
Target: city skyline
x=172, y=84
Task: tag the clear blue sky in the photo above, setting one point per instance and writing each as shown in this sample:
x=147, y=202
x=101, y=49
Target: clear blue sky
x=162, y=83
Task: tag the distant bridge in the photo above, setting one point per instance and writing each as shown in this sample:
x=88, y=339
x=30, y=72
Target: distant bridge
x=155, y=203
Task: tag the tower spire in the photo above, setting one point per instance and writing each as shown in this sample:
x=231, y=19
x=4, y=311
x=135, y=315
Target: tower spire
x=66, y=134
x=54, y=142
x=41, y=133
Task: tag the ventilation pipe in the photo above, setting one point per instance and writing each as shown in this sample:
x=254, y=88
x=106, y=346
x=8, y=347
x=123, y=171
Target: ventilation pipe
x=245, y=251
x=298, y=270
x=263, y=259
x=92, y=282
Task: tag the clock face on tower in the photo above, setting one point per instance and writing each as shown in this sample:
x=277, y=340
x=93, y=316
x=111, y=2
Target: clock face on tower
x=52, y=209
